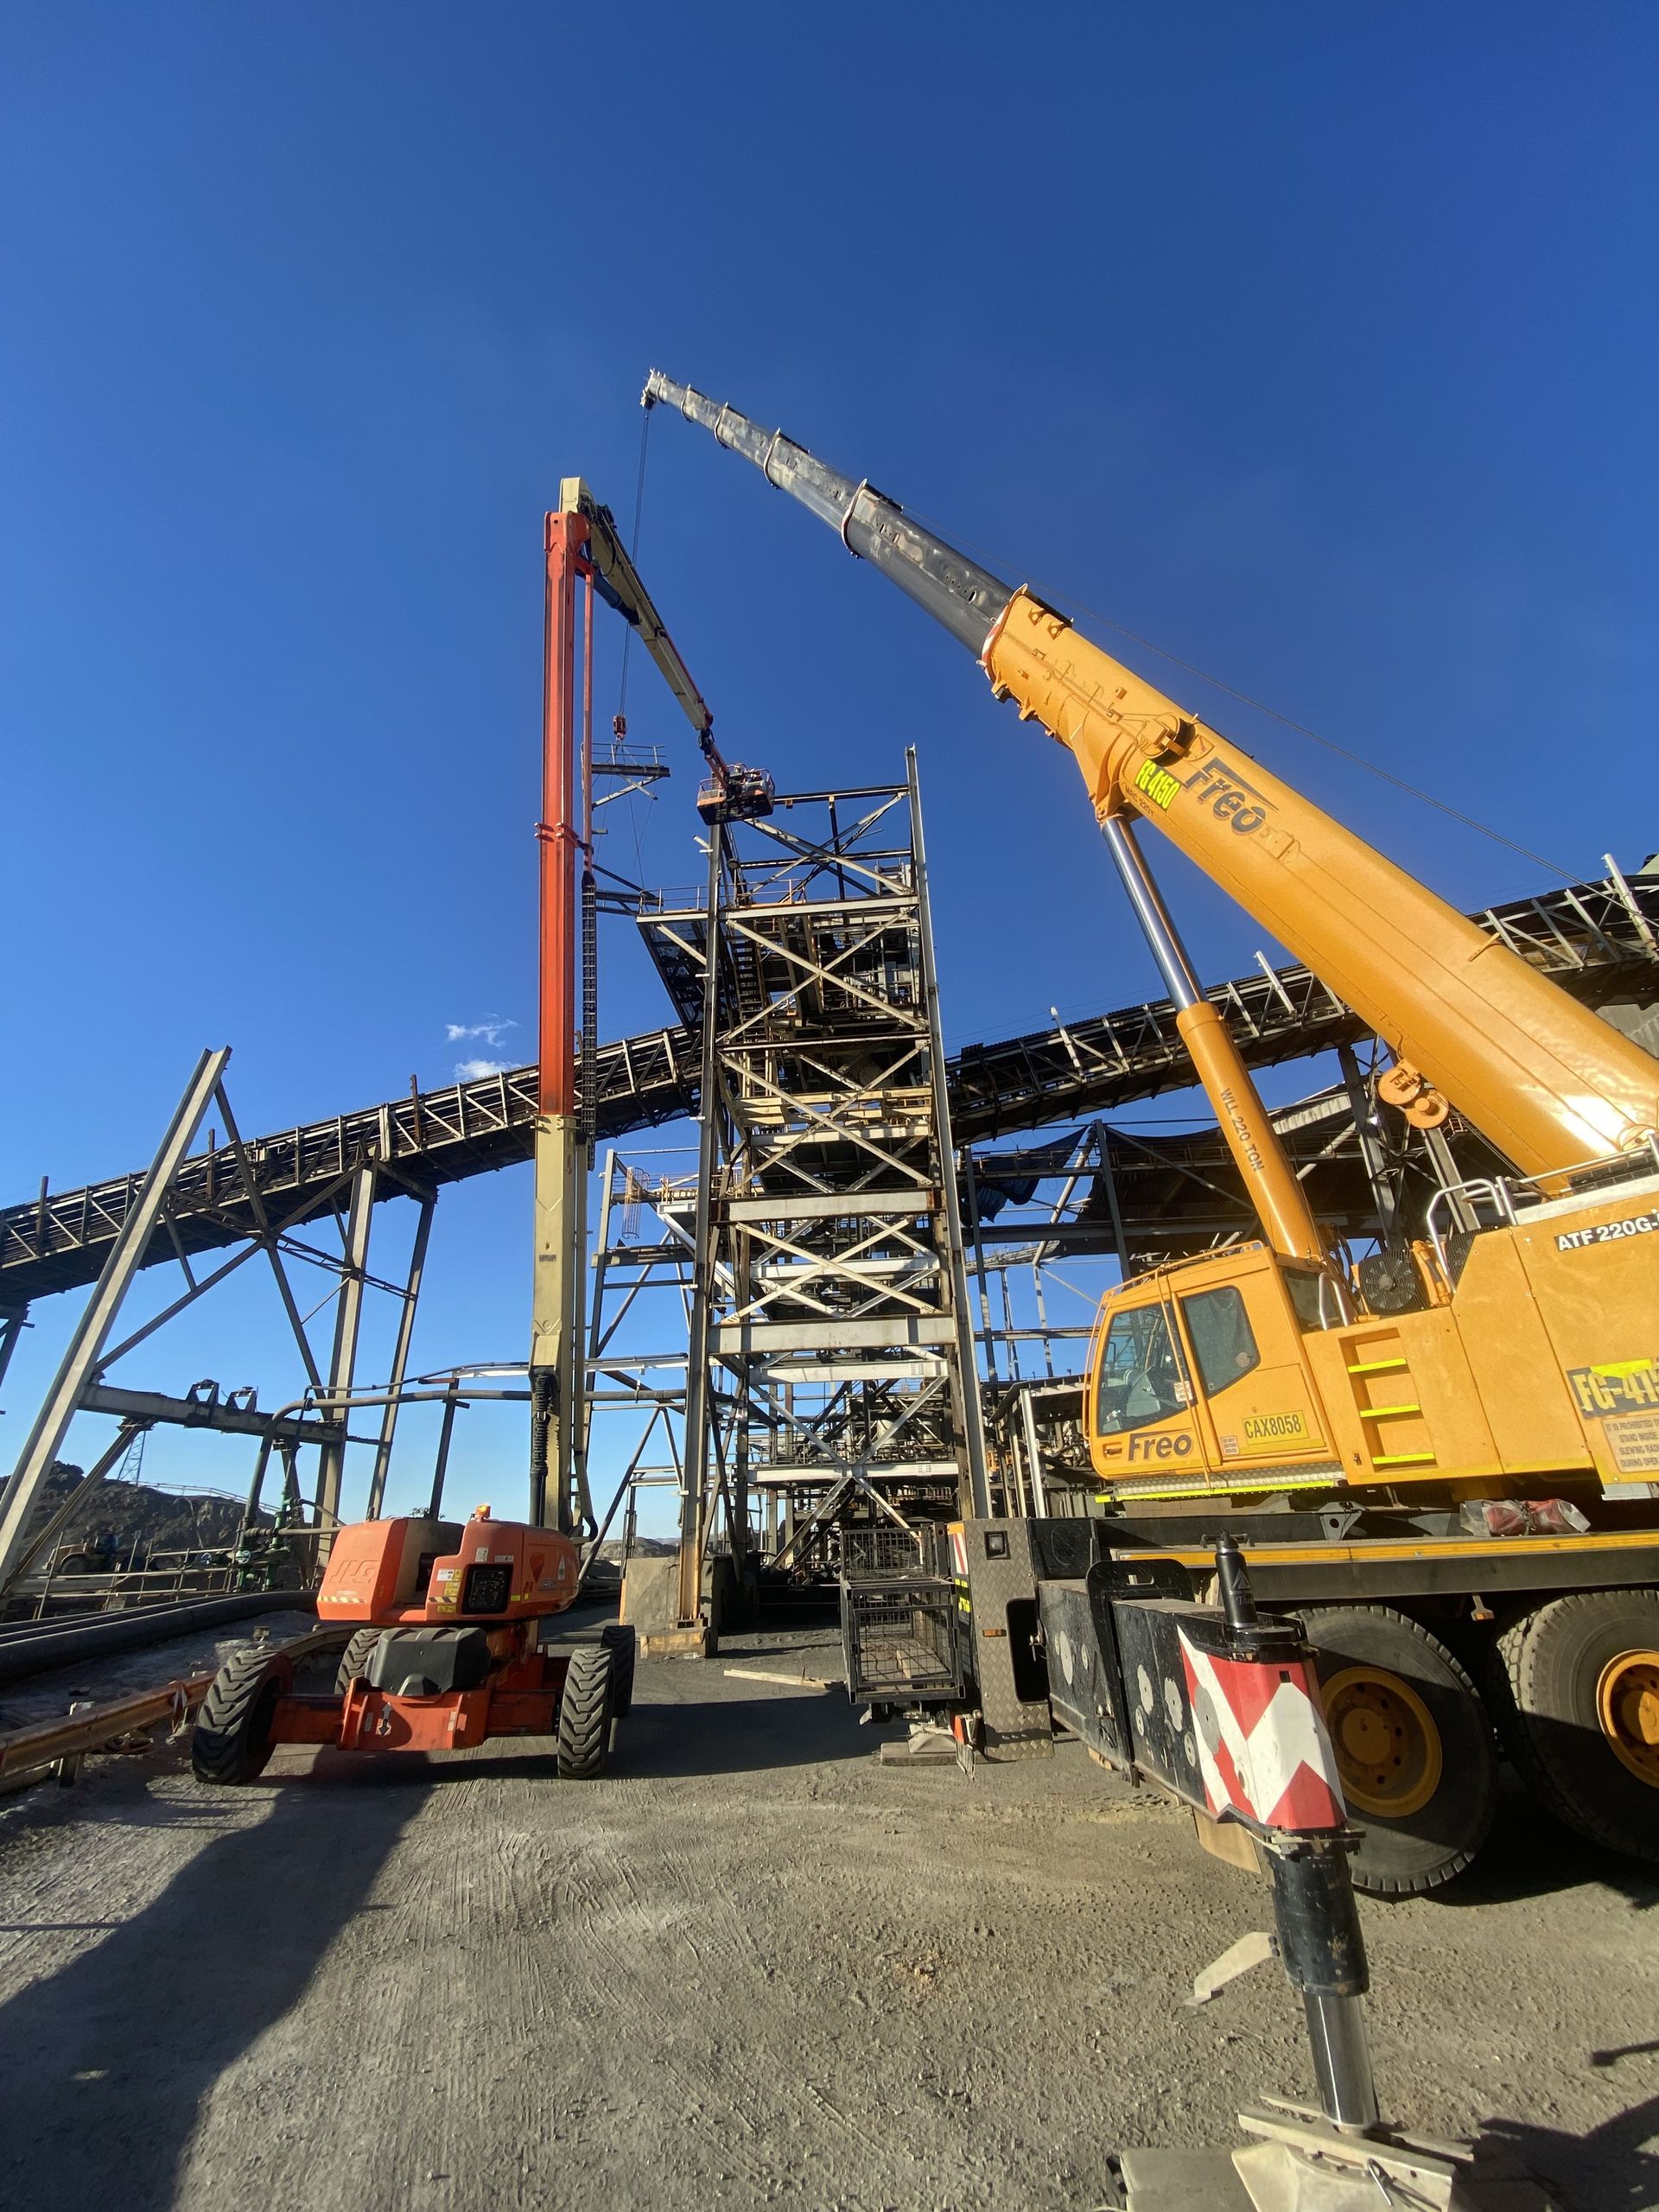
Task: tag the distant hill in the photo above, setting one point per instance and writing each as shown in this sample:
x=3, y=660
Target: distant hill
x=118, y=1516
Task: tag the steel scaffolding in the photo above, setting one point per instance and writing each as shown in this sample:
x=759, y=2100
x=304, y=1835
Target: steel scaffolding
x=831, y=1366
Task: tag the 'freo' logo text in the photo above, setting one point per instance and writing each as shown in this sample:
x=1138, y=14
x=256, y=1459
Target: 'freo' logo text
x=1232, y=798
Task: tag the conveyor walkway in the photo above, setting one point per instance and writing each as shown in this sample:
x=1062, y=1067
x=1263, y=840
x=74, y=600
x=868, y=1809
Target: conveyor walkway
x=1600, y=939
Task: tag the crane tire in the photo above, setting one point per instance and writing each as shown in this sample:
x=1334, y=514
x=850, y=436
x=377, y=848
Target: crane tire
x=1579, y=1745
x=231, y=1740
x=584, y=1734
x=620, y=1640
x=1414, y=1747
x=354, y=1660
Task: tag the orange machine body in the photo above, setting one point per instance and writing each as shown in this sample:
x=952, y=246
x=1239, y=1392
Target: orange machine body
x=494, y=1578
x=414, y=1569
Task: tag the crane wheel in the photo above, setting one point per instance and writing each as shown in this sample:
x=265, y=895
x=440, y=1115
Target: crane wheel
x=1576, y=1693
x=354, y=1660
x=620, y=1640
x=232, y=1741
x=1414, y=1747
x=584, y=1710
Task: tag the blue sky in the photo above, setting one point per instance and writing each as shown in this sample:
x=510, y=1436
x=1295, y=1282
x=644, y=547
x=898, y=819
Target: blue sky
x=1314, y=344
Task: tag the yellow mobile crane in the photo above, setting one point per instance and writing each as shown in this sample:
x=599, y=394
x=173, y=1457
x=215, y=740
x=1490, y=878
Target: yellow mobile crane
x=1445, y=1457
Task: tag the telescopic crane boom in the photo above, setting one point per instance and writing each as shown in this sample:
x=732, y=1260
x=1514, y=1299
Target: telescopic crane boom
x=1451, y=1448
x=1547, y=1083
x=732, y=790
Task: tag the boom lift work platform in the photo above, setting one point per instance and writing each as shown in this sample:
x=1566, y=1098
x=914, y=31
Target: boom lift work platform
x=441, y=1621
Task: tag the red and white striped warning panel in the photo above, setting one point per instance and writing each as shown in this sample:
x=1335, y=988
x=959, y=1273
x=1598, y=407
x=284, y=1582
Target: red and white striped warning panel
x=1261, y=1745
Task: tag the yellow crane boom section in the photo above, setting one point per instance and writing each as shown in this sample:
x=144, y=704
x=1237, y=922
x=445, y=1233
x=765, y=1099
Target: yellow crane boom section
x=1547, y=1081
x=1543, y=1079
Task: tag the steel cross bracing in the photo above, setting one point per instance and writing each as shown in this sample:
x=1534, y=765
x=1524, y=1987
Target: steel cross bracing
x=1600, y=939
x=284, y=1234
x=829, y=1289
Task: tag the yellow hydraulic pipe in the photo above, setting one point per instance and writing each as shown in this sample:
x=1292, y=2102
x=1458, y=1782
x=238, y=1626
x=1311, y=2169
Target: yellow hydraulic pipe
x=1270, y=1183
x=1269, y=1180
x=1548, y=1082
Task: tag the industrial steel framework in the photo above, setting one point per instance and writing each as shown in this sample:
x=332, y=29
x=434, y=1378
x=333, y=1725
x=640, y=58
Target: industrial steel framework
x=1144, y=1197
x=343, y=1204
x=828, y=1284
x=1599, y=940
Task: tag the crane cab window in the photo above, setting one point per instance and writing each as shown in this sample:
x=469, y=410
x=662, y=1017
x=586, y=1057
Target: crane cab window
x=1139, y=1380
x=1308, y=1293
x=1223, y=1343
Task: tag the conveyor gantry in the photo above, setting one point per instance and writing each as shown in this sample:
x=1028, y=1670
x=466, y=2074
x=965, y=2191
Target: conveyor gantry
x=1600, y=939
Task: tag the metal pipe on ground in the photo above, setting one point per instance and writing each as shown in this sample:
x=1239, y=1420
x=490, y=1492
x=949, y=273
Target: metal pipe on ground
x=28, y=1754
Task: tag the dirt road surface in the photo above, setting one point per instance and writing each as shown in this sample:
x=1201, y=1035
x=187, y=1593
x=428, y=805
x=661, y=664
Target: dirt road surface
x=752, y=1966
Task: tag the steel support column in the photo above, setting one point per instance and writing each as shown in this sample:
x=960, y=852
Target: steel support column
x=400, y=1356
x=13, y=1321
x=555, y=1292
x=342, y=1361
x=81, y=1361
x=970, y=1426
x=695, y=1516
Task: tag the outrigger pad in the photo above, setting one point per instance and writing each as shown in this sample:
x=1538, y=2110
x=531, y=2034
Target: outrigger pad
x=431, y=1661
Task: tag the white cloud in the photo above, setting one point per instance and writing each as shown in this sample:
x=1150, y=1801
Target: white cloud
x=491, y=1029
x=468, y=1070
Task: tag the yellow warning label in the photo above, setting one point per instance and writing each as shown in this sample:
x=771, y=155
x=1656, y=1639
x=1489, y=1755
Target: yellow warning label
x=1157, y=783
x=1635, y=1439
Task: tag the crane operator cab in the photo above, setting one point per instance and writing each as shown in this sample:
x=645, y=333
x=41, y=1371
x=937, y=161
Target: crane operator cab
x=1197, y=1379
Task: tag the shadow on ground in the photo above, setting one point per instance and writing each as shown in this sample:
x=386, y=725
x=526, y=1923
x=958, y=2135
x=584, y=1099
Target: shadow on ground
x=1612, y=2168
x=667, y=1741
x=743, y=1735
x=108, y=2059
x=1530, y=1854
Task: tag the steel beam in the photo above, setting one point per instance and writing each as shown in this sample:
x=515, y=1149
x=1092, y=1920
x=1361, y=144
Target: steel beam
x=80, y=1360
x=36, y=1540
x=965, y=1381
x=400, y=1355
x=13, y=1321
x=342, y=1363
x=695, y=1516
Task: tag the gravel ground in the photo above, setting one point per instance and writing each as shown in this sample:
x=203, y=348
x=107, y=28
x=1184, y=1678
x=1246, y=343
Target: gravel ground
x=752, y=1965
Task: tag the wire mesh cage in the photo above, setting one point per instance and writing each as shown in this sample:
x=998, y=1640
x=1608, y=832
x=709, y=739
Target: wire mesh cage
x=880, y=1550
x=901, y=1639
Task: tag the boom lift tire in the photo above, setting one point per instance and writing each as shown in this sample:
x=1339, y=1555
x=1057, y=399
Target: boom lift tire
x=354, y=1660
x=585, y=1712
x=620, y=1640
x=1414, y=1746
x=232, y=1740
x=1577, y=1690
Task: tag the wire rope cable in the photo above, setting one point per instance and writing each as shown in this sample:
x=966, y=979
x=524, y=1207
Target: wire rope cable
x=1066, y=601
x=627, y=640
